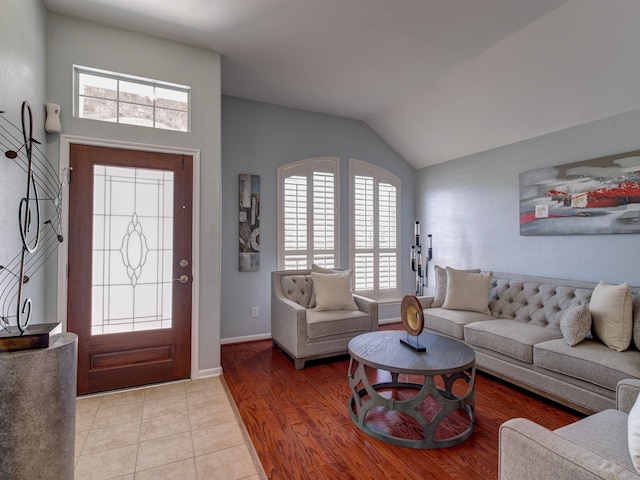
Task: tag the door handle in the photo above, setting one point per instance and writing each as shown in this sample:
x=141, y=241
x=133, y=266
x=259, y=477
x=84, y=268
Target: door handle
x=182, y=279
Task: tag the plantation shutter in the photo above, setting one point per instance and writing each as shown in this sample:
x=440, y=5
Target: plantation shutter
x=308, y=229
x=295, y=222
x=364, y=226
x=374, y=235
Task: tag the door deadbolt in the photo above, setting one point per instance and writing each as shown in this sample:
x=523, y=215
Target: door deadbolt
x=184, y=263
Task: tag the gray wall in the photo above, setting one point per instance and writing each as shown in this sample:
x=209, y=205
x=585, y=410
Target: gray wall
x=23, y=35
x=73, y=41
x=471, y=207
x=256, y=139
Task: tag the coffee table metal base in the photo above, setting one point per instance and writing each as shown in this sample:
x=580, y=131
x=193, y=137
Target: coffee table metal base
x=364, y=399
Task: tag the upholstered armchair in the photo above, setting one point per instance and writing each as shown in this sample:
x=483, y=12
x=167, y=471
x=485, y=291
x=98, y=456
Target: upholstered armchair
x=597, y=447
x=308, y=326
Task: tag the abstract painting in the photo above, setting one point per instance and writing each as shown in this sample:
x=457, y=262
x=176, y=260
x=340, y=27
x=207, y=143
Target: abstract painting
x=249, y=222
x=599, y=196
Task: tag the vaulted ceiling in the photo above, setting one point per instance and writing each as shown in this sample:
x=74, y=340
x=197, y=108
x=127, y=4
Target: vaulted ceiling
x=437, y=79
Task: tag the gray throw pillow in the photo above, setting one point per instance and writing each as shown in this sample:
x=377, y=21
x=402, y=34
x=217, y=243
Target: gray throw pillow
x=636, y=321
x=575, y=324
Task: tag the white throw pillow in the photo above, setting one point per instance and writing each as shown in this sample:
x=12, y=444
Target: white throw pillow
x=575, y=324
x=333, y=291
x=633, y=434
x=467, y=291
x=319, y=269
x=441, y=285
x=611, y=312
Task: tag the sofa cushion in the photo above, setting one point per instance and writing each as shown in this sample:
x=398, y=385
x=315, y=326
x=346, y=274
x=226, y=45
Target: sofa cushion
x=575, y=324
x=604, y=433
x=515, y=339
x=467, y=291
x=591, y=361
x=451, y=322
x=611, y=311
x=333, y=291
x=440, y=293
x=328, y=323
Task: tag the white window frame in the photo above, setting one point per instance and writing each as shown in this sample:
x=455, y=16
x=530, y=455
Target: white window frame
x=306, y=168
x=118, y=77
x=379, y=175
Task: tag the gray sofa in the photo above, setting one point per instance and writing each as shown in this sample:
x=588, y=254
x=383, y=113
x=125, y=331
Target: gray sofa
x=307, y=334
x=592, y=448
x=520, y=341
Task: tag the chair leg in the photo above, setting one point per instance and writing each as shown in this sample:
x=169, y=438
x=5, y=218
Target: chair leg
x=299, y=363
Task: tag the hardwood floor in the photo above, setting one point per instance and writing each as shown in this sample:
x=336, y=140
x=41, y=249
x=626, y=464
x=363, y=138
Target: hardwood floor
x=300, y=425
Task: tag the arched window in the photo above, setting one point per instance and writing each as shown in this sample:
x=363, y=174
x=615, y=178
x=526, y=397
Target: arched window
x=308, y=213
x=374, y=235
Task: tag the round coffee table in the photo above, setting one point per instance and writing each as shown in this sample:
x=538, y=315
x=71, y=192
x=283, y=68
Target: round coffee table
x=445, y=357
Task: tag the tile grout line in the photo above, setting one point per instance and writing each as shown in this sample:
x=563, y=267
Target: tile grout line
x=257, y=466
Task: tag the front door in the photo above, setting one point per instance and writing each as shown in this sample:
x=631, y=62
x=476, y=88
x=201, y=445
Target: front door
x=129, y=271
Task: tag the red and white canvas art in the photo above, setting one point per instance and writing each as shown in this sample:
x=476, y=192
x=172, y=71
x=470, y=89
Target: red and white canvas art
x=599, y=196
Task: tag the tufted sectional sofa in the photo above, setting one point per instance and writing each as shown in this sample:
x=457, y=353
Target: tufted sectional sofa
x=520, y=341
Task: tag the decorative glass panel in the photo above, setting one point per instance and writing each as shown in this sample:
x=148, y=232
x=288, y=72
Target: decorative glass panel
x=132, y=249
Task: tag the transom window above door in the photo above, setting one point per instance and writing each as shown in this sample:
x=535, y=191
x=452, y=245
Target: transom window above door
x=119, y=98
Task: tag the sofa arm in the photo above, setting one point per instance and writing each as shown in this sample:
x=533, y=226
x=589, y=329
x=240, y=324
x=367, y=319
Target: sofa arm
x=288, y=322
x=626, y=393
x=529, y=451
x=369, y=306
x=426, y=301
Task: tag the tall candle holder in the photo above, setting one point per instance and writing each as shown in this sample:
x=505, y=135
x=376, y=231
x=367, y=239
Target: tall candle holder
x=417, y=258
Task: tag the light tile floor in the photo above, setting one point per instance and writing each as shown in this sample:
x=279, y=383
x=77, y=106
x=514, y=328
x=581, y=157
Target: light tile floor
x=184, y=430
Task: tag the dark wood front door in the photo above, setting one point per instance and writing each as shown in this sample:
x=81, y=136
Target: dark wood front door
x=129, y=272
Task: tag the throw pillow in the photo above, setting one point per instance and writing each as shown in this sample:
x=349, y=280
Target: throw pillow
x=467, y=291
x=633, y=434
x=575, y=324
x=333, y=291
x=610, y=308
x=636, y=321
x=441, y=285
x=319, y=269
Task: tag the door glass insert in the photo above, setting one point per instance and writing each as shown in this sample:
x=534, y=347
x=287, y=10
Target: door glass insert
x=132, y=249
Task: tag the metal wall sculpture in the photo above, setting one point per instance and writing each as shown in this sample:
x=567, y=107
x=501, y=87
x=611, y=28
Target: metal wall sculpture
x=39, y=237
x=249, y=222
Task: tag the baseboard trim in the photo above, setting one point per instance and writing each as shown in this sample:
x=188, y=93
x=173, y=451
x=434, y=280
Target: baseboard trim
x=209, y=372
x=389, y=320
x=247, y=338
